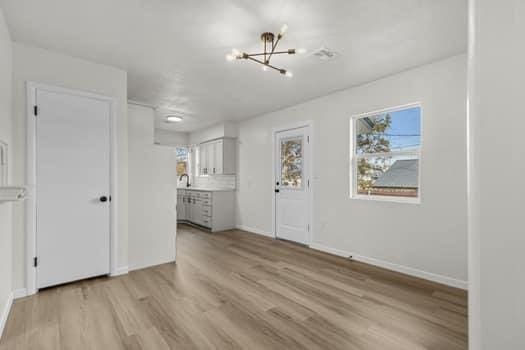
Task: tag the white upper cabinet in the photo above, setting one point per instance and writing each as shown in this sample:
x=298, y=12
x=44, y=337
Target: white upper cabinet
x=204, y=163
x=217, y=157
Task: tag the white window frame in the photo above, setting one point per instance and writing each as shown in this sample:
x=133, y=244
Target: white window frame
x=354, y=157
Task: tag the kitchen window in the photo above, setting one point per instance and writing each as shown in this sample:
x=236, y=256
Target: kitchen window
x=182, y=158
x=385, y=150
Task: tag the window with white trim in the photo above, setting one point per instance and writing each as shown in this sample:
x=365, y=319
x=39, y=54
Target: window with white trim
x=183, y=160
x=385, y=149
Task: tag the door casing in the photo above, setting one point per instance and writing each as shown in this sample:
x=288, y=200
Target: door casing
x=308, y=170
x=31, y=154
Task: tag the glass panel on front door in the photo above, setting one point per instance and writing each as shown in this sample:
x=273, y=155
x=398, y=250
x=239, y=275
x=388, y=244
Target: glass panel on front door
x=292, y=163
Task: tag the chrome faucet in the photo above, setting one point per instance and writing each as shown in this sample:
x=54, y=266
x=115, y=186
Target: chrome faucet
x=187, y=179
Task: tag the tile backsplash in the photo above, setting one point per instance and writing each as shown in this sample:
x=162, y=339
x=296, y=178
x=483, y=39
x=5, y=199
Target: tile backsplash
x=215, y=181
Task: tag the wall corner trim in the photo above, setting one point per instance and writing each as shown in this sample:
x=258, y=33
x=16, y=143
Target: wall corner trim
x=122, y=270
x=5, y=312
x=19, y=293
x=449, y=281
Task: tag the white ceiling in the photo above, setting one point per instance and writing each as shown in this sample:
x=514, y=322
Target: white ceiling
x=174, y=50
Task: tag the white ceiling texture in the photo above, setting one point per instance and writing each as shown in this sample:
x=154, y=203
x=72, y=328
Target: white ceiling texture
x=174, y=50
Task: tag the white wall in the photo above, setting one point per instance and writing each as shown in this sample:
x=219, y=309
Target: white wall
x=224, y=129
x=429, y=239
x=171, y=138
x=496, y=172
x=152, y=193
x=47, y=67
x=6, y=230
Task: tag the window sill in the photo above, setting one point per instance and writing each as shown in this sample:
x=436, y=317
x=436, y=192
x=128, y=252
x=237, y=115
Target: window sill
x=402, y=200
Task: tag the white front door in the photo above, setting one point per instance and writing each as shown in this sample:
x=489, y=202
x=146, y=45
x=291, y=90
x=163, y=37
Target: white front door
x=292, y=185
x=72, y=187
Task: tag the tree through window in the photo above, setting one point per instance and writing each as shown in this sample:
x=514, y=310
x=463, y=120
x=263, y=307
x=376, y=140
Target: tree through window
x=385, y=151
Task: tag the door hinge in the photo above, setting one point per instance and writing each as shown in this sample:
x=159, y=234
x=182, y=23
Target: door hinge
x=35, y=110
x=308, y=139
x=308, y=183
x=35, y=261
x=308, y=227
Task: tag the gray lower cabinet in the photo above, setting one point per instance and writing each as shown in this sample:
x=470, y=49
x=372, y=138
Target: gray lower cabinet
x=181, y=206
x=213, y=210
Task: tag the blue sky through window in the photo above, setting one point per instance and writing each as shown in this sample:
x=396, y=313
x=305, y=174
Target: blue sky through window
x=405, y=131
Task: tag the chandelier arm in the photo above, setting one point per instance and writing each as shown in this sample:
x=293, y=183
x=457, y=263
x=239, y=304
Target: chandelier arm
x=256, y=60
x=274, y=46
x=265, y=49
x=264, y=64
x=275, y=53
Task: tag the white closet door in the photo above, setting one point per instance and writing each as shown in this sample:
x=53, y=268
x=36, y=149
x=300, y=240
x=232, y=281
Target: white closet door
x=72, y=187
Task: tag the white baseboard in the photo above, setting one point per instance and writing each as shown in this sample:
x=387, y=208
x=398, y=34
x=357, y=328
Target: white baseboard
x=19, y=293
x=122, y=270
x=449, y=281
x=255, y=230
x=330, y=250
x=5, y=313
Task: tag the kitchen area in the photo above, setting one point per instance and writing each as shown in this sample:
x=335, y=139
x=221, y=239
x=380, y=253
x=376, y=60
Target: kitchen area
x=176, y=177
x=206, y=174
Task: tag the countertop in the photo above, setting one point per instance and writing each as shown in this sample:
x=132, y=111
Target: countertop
x=202, y=189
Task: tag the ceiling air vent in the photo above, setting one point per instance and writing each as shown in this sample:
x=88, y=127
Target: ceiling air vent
x=324, y=54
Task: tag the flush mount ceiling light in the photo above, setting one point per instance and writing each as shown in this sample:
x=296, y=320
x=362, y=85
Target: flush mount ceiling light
x=173, y=119
x=270, y=42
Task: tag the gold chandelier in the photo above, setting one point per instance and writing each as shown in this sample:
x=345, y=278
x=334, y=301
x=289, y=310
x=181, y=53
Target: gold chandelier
x=270, y=42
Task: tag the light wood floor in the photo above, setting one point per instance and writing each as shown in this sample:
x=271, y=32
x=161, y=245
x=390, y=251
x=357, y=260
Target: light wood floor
x=235, y=290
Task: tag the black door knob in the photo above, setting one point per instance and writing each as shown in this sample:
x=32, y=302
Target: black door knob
x=277, y=190
x=103, y=199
